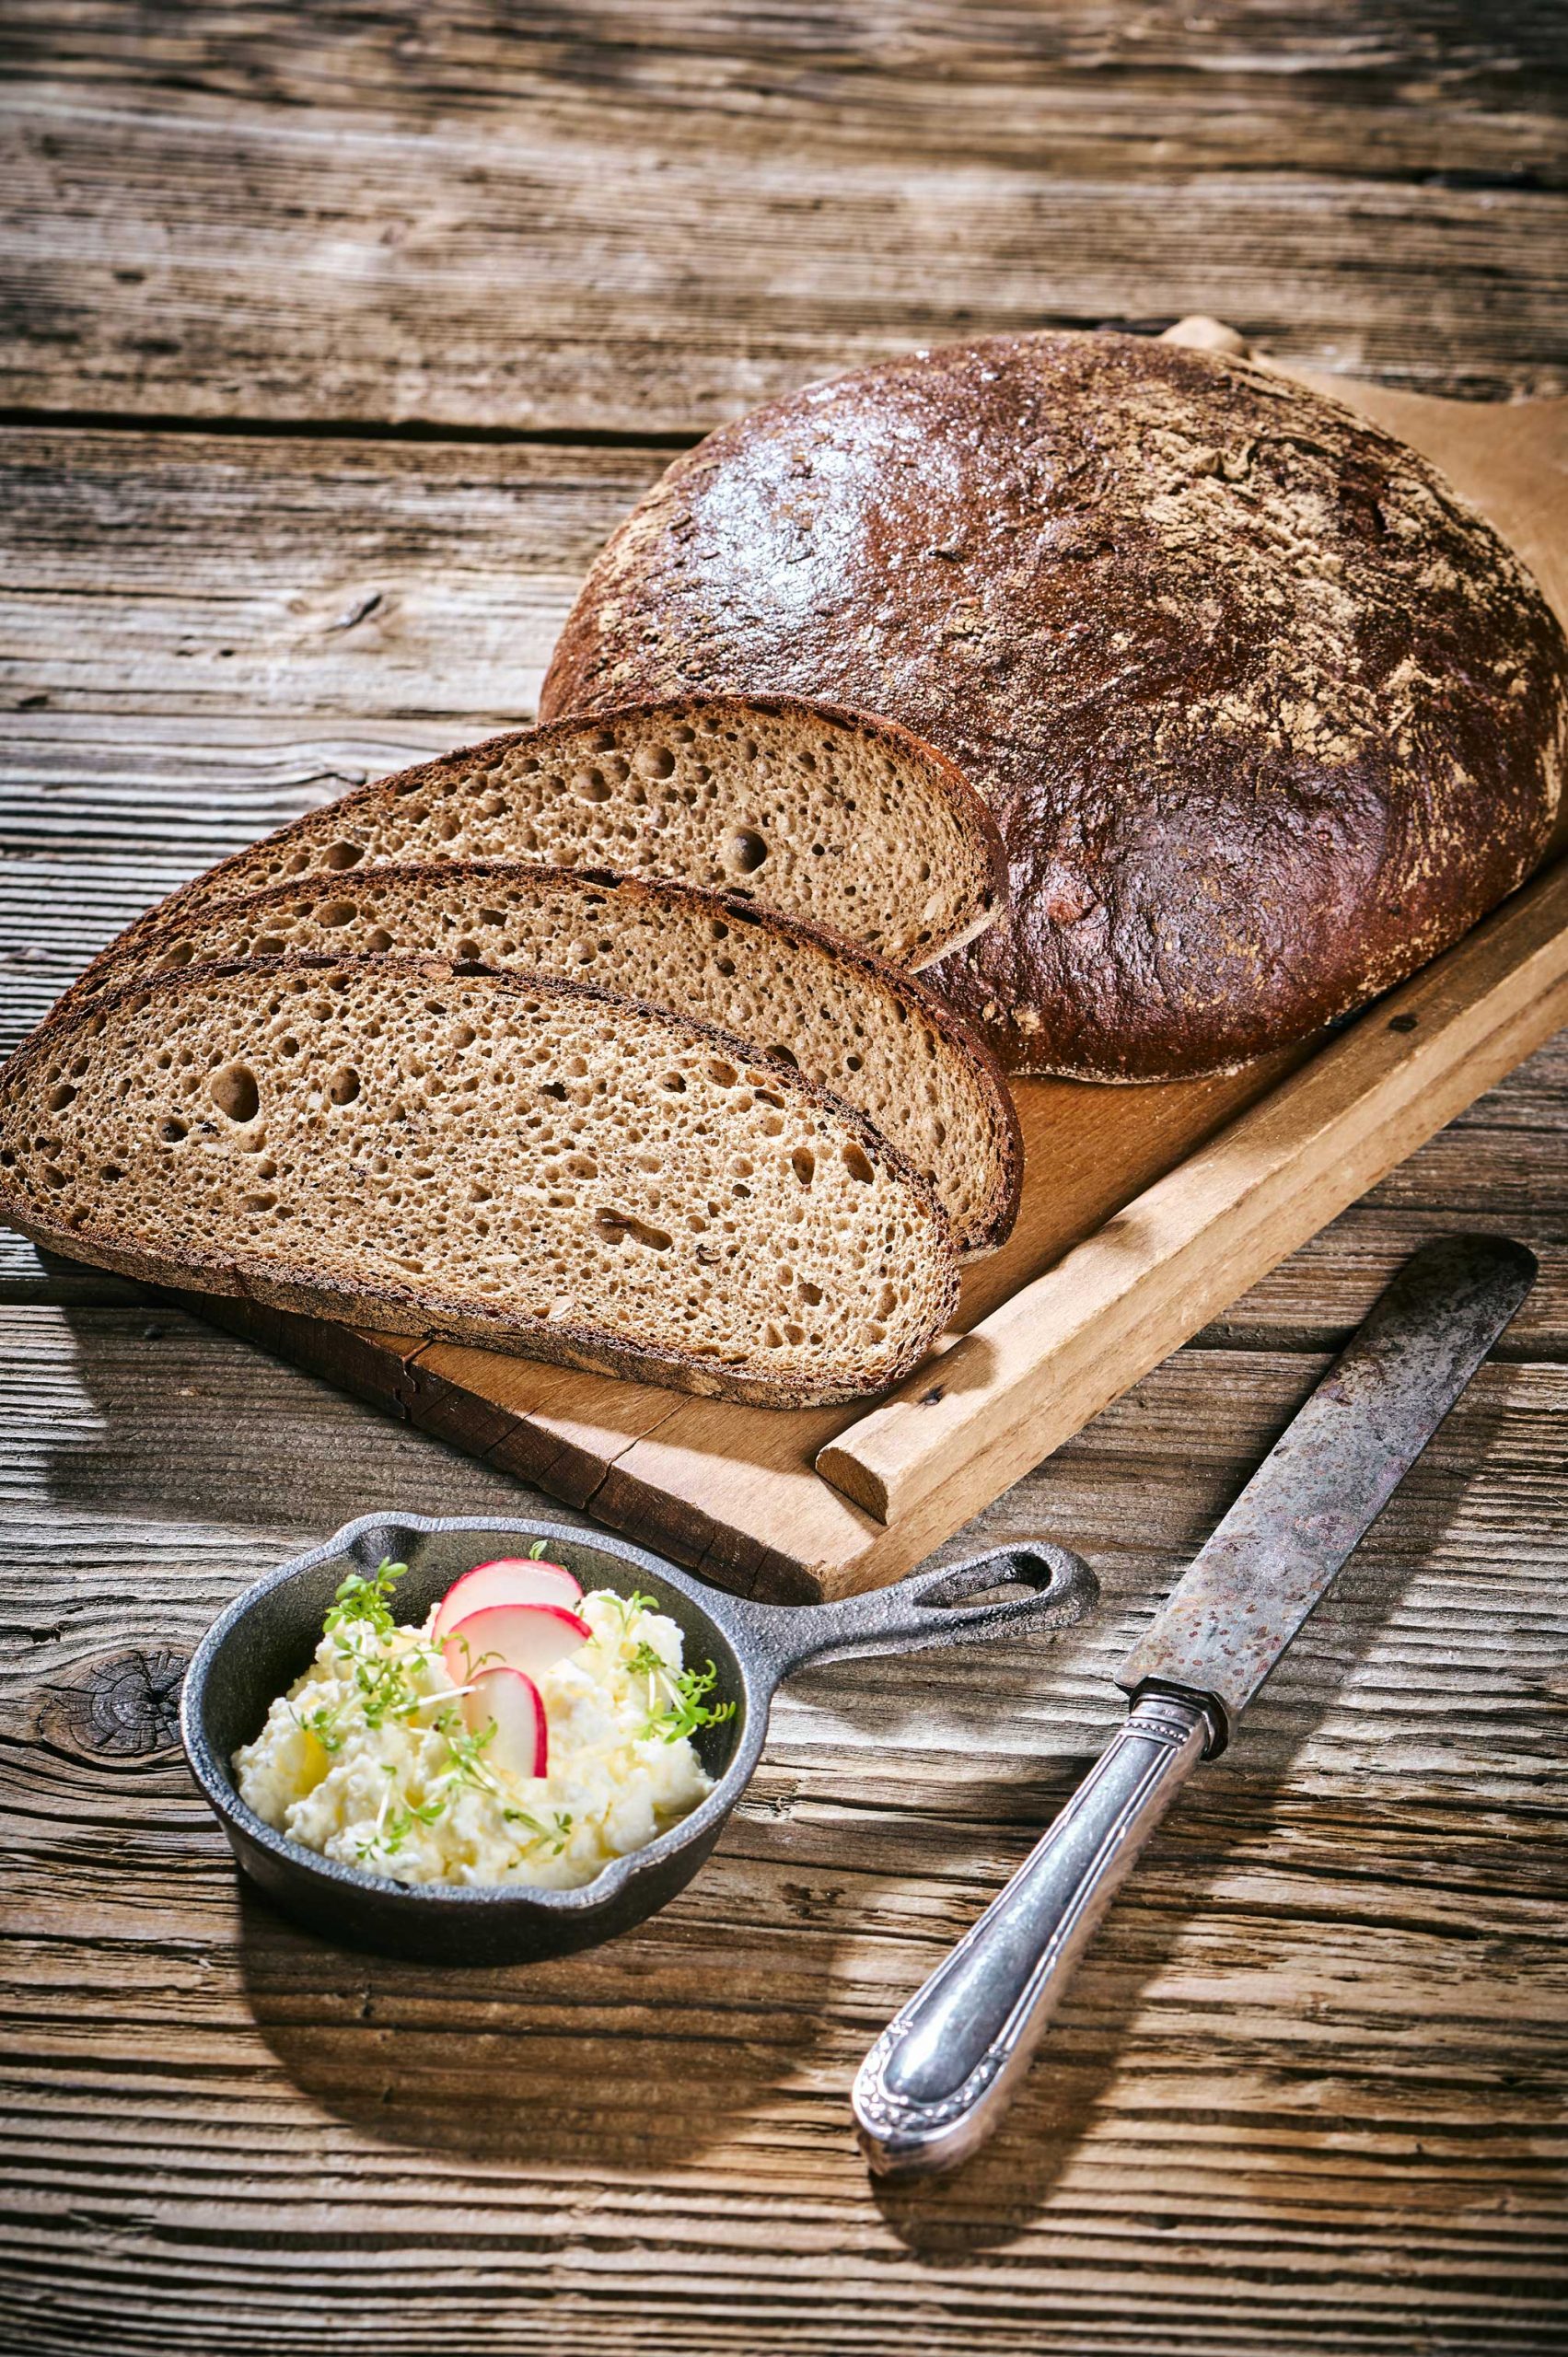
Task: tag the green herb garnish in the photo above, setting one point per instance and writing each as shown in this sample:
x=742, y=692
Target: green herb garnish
x=686, y=1711
x=557, y=1835
x=366, y=1602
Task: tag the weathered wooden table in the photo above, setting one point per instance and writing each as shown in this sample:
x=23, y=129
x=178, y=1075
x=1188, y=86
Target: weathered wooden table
x=339, y=337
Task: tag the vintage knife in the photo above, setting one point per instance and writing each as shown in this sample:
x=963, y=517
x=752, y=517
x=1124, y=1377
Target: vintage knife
x=935, y=2083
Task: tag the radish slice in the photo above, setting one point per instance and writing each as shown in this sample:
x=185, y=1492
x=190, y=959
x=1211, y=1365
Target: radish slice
x=529, y=1637
x=510, y=1581
x=521, y=1741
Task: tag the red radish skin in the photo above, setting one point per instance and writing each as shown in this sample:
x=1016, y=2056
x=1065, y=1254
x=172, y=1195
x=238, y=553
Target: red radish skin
x=521, y=1741
x=529, y=1637
x=512, y=1579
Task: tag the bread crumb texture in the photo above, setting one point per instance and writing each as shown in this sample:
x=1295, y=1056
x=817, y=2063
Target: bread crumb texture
x=838, y=821
x=500, y=1160
x=1266, y=714
x=845, y=1019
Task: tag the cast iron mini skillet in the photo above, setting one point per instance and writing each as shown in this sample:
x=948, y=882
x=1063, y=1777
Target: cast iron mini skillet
x=267, y=1636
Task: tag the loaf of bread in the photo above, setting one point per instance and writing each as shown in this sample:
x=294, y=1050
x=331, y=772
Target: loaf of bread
x=509, y=1160
x=1266, y=714
x=873, y=1033
x=848, y=822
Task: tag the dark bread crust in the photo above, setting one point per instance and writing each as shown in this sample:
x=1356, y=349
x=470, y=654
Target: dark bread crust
x=857, y=965
x=417, y=1310
x=339, y=818
x=1267, y=715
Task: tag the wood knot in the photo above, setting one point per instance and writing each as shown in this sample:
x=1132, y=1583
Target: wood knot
x=121, y=1706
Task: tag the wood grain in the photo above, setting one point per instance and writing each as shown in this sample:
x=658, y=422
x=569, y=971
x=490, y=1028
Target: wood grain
x=386, y=581
x=584, y=221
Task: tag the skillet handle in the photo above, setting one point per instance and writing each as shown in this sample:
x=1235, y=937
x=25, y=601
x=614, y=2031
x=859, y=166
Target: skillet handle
x=924, y=1609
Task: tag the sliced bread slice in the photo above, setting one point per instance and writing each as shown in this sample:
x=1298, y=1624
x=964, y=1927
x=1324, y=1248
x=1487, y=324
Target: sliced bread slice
x=874, y=1034
x=847, y=821
x=509, y=1160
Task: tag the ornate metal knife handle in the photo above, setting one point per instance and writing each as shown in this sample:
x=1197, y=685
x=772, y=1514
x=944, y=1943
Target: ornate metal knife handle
x=929, y=2092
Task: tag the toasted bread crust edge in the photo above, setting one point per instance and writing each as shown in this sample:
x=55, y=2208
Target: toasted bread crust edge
x=406, y=1310
x=1002, y=1210
x=169, y=912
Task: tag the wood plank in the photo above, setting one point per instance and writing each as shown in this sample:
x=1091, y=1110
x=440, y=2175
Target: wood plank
x=1304, y=2096
x=991, y=82
x=379, y=581
x=1060, y=1346
x=530, y=268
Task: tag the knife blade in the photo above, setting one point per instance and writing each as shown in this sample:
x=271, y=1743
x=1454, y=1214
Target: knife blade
x=1322, y=1485
x=933, y=2086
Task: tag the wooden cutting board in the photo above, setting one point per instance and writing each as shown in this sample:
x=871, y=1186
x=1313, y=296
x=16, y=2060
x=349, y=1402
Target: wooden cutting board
x=1145, y=1212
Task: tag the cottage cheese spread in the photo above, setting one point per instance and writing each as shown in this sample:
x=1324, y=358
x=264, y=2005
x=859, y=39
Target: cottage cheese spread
x=367, y=1760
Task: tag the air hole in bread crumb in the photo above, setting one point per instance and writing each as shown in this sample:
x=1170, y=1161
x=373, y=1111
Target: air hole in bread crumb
x=179, y=955
x=745, y=851
x=857, y=1166
x=172, y=1132
x=337, y=913
x=618, y=1227
x=779, y=1054
x=61, y=1096
x=467, y=953
x=344, y=1086
x=802, y=1162
x=726, y=1074
x=675, y=1083
x=233, y=1091
x=337, y=856
x=809, y=1293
